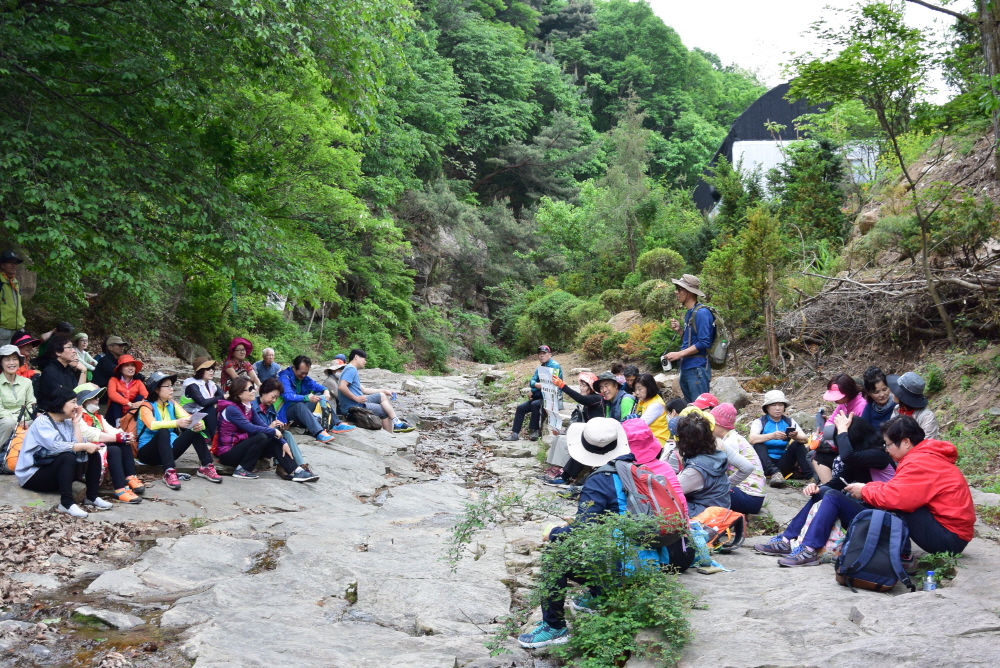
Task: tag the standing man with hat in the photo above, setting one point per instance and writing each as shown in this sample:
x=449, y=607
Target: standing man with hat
x=908, y=391
x=696, y=338
x=534, y=403
x=11, y=315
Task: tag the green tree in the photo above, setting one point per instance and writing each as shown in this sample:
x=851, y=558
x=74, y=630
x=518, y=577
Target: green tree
x=808, y=184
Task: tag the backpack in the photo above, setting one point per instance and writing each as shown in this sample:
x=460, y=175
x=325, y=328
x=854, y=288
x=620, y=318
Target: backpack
x=12, y=448
x=364, y=418
x=726, y=528
x=870, y=557
x=648, y=494
x=718, y=352
x=130, y=423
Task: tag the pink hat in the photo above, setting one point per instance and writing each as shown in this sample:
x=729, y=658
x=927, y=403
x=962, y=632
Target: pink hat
x=834, y=394
x=725, y=416
x=706, y=400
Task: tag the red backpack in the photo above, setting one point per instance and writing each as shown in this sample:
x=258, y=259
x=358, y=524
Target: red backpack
x=650, y=494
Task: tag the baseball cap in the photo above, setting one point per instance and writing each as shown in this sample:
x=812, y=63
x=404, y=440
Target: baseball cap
x=706, y=401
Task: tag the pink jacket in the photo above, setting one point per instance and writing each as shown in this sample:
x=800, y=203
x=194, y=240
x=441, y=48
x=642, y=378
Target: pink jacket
x=646, y=449
x=856, y=406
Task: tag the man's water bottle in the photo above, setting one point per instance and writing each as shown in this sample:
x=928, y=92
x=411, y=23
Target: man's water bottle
x=929, y=583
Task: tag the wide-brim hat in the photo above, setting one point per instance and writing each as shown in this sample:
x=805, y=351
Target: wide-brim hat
x=774, y=397
x=597, y=441
x=86, y=392
x=156, y=380
x=203, y=363
x=335, y=366
x=240, y=340
x=10, y=256
x=908, y=388
x=690, y=283
x=11, y=349
x=128, y=359
x=25, y=340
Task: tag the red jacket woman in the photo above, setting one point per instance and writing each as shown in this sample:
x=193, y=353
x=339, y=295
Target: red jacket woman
x=125, y=390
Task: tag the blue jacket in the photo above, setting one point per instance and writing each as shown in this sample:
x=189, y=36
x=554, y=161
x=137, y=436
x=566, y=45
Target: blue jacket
x=552, y=364
x=296, y=391
x=705, y=322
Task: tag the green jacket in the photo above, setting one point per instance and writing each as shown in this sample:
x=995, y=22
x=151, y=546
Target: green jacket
x=11, y=316
x=15, y=395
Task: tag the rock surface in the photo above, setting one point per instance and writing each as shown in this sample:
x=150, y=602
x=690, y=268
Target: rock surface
x=729, y=391
x=118, y=620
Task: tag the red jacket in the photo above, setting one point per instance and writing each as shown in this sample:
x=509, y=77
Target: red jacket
x=118, y=393
x=927, y=476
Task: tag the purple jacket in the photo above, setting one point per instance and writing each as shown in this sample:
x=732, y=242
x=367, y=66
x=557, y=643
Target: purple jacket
x=236, y=423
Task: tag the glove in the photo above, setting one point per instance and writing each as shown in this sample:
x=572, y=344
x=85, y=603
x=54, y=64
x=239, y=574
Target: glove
x=120, y=438
x=558, y=382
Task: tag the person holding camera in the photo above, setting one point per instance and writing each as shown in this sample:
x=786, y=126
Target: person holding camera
x=778, y=440
x=697, y=335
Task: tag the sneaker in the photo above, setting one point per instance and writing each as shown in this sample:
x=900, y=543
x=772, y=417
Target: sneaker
x=135, y=484
x=555, y=482
x=184, y=477
x=552, y=472
x=170, y=479
x=324, y=439
x=209, y=473
x=778, y=545
x=97, y=504
x=585, y=604
x=543, y=635
x=343, y=427
x=304, y=476
x=242, y=474
x=73, y=511
x=125, y=495
x=777, y=480
x=402, y=428
x=533, y=436
x=801, y=556
x=513, y=437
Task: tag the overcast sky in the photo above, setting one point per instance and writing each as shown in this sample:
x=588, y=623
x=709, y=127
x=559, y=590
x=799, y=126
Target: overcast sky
x=760, y=34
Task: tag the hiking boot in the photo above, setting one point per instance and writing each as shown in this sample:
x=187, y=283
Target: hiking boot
x=513, y=437
x=242, y=474
x=280, y=471
x=801, y=556
x=543, y=635
x=135, y=484
x=170, y=479
x=210, y=474
x=402, y=428
x=304, y=476
x=533, y=436
x=125, y=495
x=778, y=545
x=97, y=504
x=555, y=482
x=73, y=511
x=343, y=427
x=777, y=480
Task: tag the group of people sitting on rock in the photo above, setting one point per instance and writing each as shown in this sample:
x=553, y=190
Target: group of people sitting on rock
x=877, y=449
x=52, y=409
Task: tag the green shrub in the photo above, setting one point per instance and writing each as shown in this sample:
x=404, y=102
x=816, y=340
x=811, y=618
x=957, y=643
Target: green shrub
x=617, y=301
x=588, y=312
x=663, y=339
x=487, y=353
x=611, y=347
x=934, y=377
x=592, y=348
x=659, y=302
x=592, y=328
x=661, y=263
x=547, y=320
x=644, y=289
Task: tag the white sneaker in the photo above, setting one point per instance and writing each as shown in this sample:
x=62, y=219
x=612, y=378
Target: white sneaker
x=97, y=504
x=74, y=511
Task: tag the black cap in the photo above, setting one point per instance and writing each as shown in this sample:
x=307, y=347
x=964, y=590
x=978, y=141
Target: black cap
x=544, y=349
x=10, y=256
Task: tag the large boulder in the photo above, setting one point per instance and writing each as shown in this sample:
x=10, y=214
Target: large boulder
x=624, y=321
x=669, y=384
x=728, y=390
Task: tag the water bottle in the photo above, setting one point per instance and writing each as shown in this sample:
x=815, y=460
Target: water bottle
x=929, y=583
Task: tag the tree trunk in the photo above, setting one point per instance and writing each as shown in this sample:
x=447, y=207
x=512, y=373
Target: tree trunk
x=311, y=318
x=773, y=351
x=932, y=286
x=322, y=324
x=989, y=35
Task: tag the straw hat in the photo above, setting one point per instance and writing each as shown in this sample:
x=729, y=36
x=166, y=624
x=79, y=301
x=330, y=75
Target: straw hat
x=597, y=441
x=774, y=397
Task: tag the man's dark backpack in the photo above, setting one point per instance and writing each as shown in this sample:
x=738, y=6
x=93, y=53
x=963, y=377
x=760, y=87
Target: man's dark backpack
x=364, y=418
x=871, y=555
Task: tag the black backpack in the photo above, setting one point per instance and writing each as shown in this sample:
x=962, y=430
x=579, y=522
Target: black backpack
x=364, y=418
x=871, y=555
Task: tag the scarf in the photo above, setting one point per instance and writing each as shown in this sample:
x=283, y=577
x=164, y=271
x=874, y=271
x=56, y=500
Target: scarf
x=905, y=411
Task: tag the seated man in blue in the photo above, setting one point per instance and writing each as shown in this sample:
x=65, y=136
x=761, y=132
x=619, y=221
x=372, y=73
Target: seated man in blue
x=302, y=393
x=534, y=403
x=351, y=393
x=595, y=443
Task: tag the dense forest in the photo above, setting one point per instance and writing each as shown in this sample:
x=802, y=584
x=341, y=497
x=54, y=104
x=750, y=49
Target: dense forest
x=442, y=178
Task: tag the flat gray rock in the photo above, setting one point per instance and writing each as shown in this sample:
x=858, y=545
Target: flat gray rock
x=118, y=620
x=37, y=580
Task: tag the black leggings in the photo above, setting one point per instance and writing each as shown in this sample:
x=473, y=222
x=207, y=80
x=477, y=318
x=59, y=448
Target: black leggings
x=121, y=463
x=59, y=475
x=159, y=450
x=794, y=454
x=928, y=533
x=247, y=452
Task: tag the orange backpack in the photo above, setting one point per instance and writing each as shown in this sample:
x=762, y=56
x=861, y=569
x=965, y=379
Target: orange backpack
x=726, y=528
x=12, y=448
x=130, y=424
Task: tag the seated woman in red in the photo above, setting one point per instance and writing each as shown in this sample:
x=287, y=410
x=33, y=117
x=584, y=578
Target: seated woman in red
x=928, y=491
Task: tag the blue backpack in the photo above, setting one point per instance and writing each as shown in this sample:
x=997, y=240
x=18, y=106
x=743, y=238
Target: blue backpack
x=871, y=554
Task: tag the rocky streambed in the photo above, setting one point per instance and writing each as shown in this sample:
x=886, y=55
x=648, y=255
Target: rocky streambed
x=351, y=571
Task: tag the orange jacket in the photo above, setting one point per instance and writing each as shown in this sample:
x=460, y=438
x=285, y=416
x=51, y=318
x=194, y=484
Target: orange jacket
x=118, y=393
